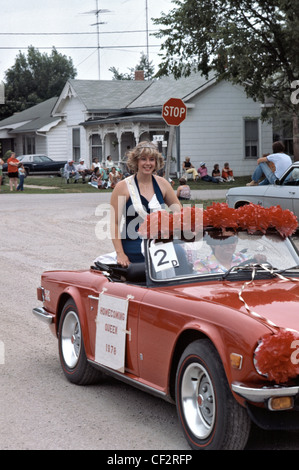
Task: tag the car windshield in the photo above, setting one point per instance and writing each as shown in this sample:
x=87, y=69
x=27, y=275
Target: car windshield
x=292, y=178
x=216, y=255
x=45, y=159
x=41, y=159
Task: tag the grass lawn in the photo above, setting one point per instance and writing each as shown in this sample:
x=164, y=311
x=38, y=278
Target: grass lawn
x=55, y=184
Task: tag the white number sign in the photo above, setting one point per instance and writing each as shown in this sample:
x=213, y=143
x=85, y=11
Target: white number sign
x=163, y=256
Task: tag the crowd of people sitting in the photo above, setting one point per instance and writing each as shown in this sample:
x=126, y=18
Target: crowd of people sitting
x=201, y=173
x=107, y=174
x=100, y=175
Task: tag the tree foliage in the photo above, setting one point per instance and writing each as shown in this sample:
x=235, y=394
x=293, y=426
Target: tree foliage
x=144, y=64
x=34, y=78
x=251, y=43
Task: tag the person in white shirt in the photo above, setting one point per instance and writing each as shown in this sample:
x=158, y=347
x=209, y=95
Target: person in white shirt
x=95, y=164
x=82, y=169
x=109, y=163
x=281, y=160
x=70, y=171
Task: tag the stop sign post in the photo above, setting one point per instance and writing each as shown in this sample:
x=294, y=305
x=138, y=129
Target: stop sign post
x=174, y=112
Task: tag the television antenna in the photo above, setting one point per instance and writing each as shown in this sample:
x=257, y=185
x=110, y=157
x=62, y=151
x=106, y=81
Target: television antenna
x=97, y=12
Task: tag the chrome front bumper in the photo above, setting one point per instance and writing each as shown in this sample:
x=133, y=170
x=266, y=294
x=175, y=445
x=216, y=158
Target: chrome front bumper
x=41, y=313
x=260, y=395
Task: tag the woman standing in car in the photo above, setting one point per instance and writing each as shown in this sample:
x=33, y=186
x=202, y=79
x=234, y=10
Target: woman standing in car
x=135, y=197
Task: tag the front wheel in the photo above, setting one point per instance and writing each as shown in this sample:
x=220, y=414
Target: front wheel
x=210, y=416
x=71, y=348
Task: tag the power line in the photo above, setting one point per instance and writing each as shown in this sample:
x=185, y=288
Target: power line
x=79, y=33
x=78, y=47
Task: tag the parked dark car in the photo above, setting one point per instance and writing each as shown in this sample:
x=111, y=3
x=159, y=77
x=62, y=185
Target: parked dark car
x=39, y=164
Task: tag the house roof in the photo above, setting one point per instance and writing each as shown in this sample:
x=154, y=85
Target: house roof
x=161, y=90
x=32, y=119
x=125, y=117
x=102, y=95
x=109, y=96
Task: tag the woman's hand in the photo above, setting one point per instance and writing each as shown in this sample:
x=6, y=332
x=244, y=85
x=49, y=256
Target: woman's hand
x=122, y=259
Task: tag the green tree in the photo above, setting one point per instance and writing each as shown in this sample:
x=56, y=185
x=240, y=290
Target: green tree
x=144, y=64
x=34, y=78
x=250, y=43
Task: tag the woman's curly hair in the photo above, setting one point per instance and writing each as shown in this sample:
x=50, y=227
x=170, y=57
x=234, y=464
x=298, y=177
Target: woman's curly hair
x=144, y=148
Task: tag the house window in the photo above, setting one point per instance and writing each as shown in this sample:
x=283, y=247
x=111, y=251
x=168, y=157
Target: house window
x=96, y=147
x=76, y=145
x=251, y=138
x=28, y=145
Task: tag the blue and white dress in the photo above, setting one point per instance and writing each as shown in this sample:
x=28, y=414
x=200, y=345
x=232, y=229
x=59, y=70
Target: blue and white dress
x=137, y=208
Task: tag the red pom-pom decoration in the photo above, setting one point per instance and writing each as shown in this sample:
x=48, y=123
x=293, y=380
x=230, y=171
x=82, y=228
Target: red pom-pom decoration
x=275, y=358
x=251, y=217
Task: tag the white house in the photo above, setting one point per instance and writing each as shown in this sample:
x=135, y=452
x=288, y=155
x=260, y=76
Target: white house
x=94, y=118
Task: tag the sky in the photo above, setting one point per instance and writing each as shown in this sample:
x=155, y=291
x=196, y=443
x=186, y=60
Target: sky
x=77, y=16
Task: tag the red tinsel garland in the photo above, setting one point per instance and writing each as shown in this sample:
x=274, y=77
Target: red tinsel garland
x=251, y=217
x=275, y=356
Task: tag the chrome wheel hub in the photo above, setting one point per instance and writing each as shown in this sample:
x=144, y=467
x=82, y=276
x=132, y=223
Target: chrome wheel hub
x=198, y=400
x=71, y=339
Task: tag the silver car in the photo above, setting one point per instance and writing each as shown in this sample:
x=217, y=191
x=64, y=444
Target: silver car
x=284, y=193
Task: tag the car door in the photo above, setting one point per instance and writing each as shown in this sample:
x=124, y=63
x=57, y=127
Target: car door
x=280, y=195
x=160, y=320
x=134, y=295
x=37, y=165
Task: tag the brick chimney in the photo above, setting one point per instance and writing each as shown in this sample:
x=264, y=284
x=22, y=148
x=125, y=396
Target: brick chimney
x=139, y=74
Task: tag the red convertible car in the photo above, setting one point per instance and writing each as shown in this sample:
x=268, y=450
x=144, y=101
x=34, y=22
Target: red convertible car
x=209, y=322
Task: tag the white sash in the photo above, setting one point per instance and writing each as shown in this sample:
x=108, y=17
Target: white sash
x=154, y=204
x=135, y=196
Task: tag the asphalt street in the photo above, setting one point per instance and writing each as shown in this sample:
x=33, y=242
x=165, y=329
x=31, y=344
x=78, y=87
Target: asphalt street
x=39, y=409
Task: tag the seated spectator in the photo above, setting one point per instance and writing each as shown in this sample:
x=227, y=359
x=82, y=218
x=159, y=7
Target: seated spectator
x=95, y=164
x=82, y=169
x=96, y=179
x=281, y=162
x=70, y=171
x=183, y=192
x=203, y=173
x=114, y=177
x=189, y=168
x=109, y=164
x=216, y=173
x=227, y=173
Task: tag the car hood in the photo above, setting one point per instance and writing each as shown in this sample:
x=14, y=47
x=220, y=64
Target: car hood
x=273, y=300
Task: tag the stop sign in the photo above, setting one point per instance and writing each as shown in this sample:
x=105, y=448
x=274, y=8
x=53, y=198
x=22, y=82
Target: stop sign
x=174, y=111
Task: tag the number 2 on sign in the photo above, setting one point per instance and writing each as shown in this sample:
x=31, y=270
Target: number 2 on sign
x=163, y=256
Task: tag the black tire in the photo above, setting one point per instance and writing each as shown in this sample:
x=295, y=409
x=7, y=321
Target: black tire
x=210, y=416
x=71, y=348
